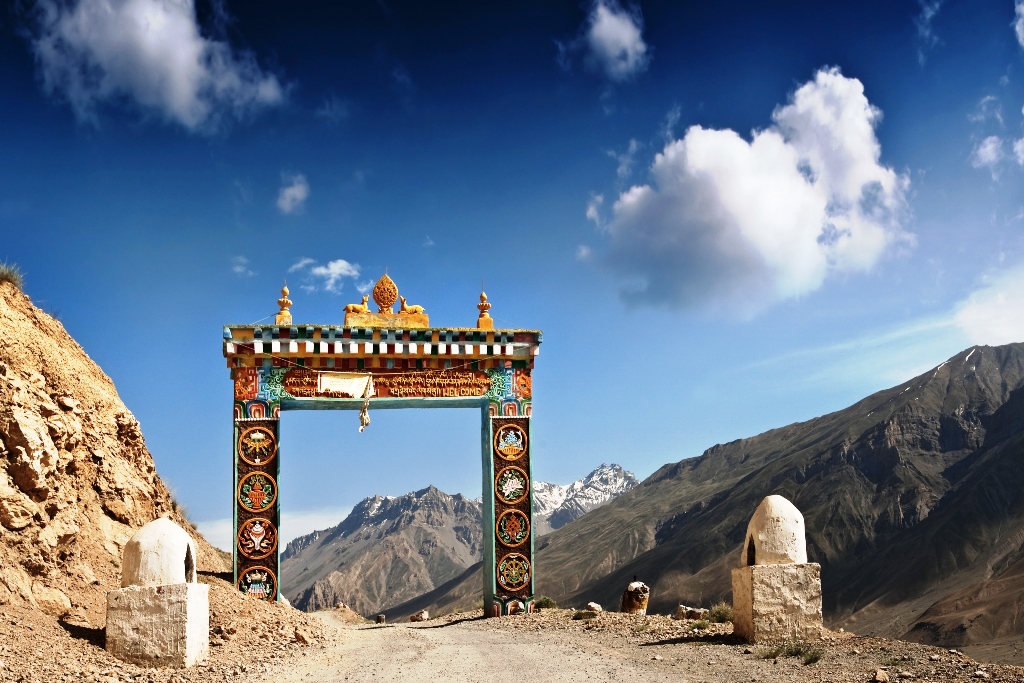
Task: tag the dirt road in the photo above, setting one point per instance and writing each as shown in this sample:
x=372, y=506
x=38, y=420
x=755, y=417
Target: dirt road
x=553, y=647
x=468, y=651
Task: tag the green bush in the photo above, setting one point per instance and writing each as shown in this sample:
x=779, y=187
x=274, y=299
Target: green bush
x=700, y=625
x=720, y=613
x=9, y=272
x=584, y=614
x=805, y=651
x=544, y=602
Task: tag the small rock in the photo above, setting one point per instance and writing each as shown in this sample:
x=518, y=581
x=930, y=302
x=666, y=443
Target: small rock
x=982, y=674
x=747, y=651
x=422, y=615
x=684, y=612
x=656, y=658
x=880, y=676
x=935, y=658
x=381, y=618
x=856, y=652
x=303, y=637
x=904, y=674
x=593, y=607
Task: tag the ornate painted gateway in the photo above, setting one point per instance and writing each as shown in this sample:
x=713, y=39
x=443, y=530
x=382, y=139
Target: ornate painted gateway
x=380, y=360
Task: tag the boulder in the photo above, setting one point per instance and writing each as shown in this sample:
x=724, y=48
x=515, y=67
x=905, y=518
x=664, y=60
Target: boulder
x=50, y=600
x=593, y=607
x=32, y=454
x=684, y=612
x=422, y=615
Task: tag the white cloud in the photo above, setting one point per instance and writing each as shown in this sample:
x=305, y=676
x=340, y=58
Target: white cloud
x=150, y=52
x=330, y=276
x=926, y=38
x=584, y=253
x=668, y=129
x=988, y=154
x=428, y=242
x=612, y=40
x=625, y=159
x=994, y=314
x=220, y=534
x=1018, y=23
x=333, y=272
x=752, y=223
x=1018, y=151
x=293, y=194
x=240, y=266
x=615, y=41
x=301, y=264
x=594, y=208
x=988, y=108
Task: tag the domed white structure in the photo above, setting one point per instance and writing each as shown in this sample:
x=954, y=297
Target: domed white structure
x=775, y=534
x=159, y=554
x=161, y=615
x=776, y=592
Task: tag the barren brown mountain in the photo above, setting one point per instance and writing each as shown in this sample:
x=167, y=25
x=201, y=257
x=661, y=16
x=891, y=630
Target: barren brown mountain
x=912, y=499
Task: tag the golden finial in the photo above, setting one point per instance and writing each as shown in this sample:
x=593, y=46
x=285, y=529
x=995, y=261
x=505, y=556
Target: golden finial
x=385, y=293
x=284, y=316
x=484, y=322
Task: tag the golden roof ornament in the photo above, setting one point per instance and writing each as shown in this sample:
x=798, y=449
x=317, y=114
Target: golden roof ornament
x=385, y=294
x=284, y=316
x=484, y=321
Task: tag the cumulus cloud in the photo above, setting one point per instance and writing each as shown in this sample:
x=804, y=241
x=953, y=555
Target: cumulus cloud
x=611, y=41
x=1018, y=23
x=988, y=108
x=293, y=194
x=988, y=154
x=149, y=52
x=994, y=314
x=1018, y=151
x=330, y=276
x=926, y=38
x=747, y=224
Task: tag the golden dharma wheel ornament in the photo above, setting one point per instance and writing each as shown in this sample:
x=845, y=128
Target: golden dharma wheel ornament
x=385, y=294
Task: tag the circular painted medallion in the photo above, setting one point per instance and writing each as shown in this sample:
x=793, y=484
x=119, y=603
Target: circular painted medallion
x=511, y=485
x=513, y=528
x=513, y=572
x=257, y=445
x=257, y=538
x=257, y=491
x=510, y=442
x=258, y=582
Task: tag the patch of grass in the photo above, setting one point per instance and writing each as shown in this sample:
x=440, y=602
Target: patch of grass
x=700, y=625
x=544, y=602
x=9, y=272
x=479, y=604
x=584, y=614
x=805, y=651
x=890, y=660
x=720, y=613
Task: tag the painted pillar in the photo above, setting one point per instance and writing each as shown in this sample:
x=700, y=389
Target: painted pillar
x=257, y=507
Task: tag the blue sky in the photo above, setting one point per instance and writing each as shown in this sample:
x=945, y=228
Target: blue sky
x=725, y=217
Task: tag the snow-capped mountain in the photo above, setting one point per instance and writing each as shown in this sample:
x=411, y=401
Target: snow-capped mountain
x=554, y=505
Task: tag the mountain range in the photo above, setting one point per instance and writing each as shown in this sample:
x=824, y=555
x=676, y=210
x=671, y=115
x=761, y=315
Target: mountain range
x=390, y=550
x=911, y=497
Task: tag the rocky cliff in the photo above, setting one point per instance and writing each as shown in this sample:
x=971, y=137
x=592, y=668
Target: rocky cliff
x=76, y=478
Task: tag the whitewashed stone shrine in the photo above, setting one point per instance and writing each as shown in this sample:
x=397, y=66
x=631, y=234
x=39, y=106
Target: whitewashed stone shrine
x=776, y=592
x=161, y=615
